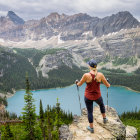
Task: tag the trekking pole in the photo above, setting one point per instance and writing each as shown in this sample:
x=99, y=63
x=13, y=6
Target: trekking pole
x=107, y=94
x=79, y=98
x=107, y=98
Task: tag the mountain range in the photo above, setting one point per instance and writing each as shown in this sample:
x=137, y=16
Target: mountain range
x=68, y=27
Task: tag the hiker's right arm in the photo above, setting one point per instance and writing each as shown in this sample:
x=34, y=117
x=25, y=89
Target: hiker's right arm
x=105, y=82
x=83, y=80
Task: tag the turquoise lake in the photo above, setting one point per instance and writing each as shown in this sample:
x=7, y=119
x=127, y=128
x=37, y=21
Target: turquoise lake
x=119, y=98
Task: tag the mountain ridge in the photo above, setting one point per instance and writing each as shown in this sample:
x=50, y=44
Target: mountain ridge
x=16, y=19
x=70, y=27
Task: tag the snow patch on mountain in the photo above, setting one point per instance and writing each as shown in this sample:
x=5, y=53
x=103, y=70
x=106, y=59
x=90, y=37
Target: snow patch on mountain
x=59, y=39
x=1, y=40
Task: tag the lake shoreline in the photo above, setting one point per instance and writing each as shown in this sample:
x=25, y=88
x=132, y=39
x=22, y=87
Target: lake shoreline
x=34, y=90
x=128, y=88
x=10, y=94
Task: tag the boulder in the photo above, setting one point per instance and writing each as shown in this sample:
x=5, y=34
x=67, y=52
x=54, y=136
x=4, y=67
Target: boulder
x=131, y=133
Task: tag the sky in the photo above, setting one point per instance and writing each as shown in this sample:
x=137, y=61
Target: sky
x=36, y=9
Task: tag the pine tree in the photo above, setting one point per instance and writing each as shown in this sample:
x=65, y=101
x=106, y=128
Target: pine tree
x=58, y=115
x=29, y=116
x=42, y=119
x=48, y=123
x=41, y=112
x=58, y=122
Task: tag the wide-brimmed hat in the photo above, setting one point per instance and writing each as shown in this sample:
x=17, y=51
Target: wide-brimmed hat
x=92, y=63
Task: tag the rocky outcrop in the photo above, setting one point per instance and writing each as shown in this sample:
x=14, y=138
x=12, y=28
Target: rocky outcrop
x=2, y=109
x=65, y=133
x=60, y=58
x=114, y=129
x=122, y=44
x=131, y=133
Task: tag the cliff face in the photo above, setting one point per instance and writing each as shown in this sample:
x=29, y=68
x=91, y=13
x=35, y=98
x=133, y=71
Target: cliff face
x=59, y=59
x=114, y=129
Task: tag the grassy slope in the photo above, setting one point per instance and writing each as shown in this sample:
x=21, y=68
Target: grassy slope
x=133, y=122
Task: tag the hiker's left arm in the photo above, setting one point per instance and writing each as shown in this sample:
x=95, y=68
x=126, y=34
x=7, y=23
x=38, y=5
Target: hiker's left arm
x=83, y=80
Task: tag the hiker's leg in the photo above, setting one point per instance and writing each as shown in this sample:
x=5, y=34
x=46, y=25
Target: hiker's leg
x=89, y=105
x=102, y=107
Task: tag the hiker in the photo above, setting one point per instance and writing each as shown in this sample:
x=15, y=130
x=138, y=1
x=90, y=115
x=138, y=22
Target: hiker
x=92, y=91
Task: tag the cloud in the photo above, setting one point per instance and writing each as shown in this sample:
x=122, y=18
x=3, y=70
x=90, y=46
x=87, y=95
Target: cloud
x=3, y=13
x=35, y=9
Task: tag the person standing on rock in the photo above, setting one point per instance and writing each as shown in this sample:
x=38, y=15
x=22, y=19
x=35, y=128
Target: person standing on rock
x=92, y=92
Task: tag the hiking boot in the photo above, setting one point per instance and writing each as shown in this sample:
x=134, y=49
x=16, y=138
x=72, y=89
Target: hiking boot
x=90, y=129
x=105, y=120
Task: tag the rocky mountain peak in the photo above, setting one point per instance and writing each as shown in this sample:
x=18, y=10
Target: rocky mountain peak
x=53, y=17
x=16, y=19
x=124, y=13
x=55, y=20
x=114, y=23
x=126, y=16
x=80, y=17
x=64, y=15
x=54, y=14
x=11, y=13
